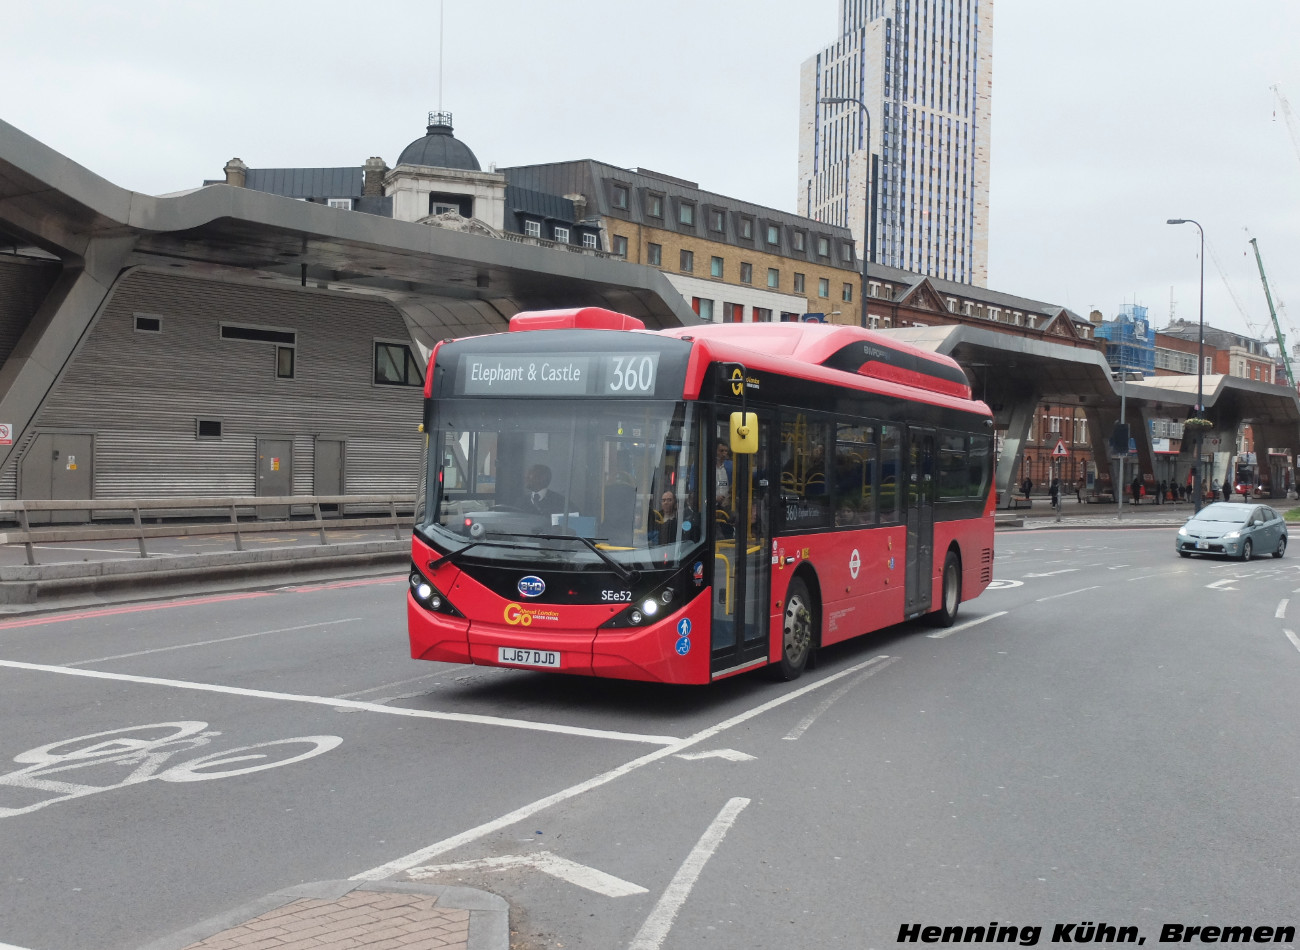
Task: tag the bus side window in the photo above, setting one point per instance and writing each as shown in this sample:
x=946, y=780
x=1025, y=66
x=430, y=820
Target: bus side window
x=952, y=466
x=855, y=460
x=977, y=482
x=890, y=460
x=805, y=495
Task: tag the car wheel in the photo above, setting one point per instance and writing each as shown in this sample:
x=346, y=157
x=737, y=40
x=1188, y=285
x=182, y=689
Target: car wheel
x=798, y=632
x=951, y=593
x=1281, y=546
x=1246, y=549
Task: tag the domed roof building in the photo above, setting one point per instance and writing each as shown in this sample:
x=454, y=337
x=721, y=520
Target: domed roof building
x=439, y=148
x=439, y=175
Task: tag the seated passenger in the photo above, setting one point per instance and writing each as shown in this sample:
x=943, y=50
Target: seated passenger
x=671, y=522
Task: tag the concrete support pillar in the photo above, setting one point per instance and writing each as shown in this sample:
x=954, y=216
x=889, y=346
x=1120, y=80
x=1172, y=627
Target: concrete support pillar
x=1013, y=445
x=56, y=330
x=1101, y=423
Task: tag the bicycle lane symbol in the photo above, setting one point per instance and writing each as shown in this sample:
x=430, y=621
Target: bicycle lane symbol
x=117, y=758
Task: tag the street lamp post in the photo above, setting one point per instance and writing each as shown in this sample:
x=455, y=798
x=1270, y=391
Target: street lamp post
x=867, y=221
x=1200, y=370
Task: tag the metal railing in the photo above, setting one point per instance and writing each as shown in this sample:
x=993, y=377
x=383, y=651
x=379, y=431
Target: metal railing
x=557, y=245
x=399, y=515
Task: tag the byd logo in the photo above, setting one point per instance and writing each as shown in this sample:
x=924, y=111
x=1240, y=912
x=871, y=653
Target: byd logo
x=518, y=616
x=531, y=586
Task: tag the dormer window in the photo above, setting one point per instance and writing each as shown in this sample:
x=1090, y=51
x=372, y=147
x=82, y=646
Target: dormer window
x=533, y=229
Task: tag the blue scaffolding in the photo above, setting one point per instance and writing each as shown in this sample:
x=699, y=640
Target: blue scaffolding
x=1130, y=340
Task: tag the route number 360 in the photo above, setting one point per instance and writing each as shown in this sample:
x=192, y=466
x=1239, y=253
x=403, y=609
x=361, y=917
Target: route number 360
x=632, y=374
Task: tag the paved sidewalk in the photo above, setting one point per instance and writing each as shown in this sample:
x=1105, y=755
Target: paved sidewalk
x=340, y=915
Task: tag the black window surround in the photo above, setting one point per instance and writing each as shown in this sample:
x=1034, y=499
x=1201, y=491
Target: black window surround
x=396, y=365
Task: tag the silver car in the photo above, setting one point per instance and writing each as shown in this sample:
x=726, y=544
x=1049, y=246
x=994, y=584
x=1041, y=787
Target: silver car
x=1235, y=529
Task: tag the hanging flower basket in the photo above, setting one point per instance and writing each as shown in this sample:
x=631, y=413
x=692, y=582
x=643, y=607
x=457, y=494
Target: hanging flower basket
x=1198, y=423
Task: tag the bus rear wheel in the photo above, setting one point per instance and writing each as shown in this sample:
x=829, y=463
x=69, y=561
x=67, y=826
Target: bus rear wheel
x=950, y=596
x=798, y=632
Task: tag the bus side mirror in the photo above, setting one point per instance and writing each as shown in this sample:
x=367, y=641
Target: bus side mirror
x=744, y=433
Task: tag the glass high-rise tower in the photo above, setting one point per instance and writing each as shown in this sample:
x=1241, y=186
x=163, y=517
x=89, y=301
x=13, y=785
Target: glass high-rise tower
x=923, y=70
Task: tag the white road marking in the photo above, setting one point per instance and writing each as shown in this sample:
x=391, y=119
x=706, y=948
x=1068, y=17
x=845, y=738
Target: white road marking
x=1281, y=608
x=11, y=946
x=397, y=865
x=731, y=755
x=940, y=634
x=668, y=741
x=435, y=677
x=1067, y=593
x=655, y=929
x=825, y=704
x=1218, y=585
x=1003, y=584
x=1293, y=638
x=1067, y=570
x=580, y=874
x=204, y=643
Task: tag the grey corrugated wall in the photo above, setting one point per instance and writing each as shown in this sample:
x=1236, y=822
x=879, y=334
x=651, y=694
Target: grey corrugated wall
x=140, y=393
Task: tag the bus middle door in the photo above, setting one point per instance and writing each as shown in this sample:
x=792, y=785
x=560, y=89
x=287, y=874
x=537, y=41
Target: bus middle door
x=741, y=542
x=919, y=561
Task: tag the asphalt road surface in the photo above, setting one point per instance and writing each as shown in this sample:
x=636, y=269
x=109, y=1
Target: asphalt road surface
x=1108, y=736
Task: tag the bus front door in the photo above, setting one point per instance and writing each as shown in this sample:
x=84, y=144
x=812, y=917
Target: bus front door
x=741, y=542
x=919, y=561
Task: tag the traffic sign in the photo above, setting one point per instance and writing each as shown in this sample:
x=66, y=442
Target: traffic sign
x=1059, y=451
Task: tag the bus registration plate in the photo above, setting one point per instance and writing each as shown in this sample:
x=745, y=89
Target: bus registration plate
x=523, y=657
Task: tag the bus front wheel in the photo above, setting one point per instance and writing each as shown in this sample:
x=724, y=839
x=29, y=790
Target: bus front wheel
x=950, y=596
x=798, y=632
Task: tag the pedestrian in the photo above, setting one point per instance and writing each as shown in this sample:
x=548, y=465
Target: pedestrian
x=1136, y=488
x=1164, y=487
x=1078, y=491
x=1054, y=491
x=1026, y=487
x=1227, y=489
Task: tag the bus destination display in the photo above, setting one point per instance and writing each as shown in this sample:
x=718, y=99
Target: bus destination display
x=593, y=374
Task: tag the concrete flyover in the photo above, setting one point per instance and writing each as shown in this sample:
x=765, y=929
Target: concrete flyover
x=1015, y=374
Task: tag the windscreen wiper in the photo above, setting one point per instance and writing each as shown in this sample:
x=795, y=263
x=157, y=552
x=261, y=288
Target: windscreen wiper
x=629, y=576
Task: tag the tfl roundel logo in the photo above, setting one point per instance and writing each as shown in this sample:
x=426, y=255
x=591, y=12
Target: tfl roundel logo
x=531, y=586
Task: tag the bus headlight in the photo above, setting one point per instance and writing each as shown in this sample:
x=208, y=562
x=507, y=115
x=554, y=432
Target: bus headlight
x=650, y=607
x=635, y=616
x=428, y=596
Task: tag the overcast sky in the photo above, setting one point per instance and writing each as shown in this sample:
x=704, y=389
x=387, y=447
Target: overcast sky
x=1109, y=116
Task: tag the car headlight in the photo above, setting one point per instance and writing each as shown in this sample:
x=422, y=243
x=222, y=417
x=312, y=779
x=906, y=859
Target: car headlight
x=1183, y=532
x=1232, y=536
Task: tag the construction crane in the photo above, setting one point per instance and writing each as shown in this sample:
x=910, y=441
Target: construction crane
x=1281, y=340
x=1292, y=126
